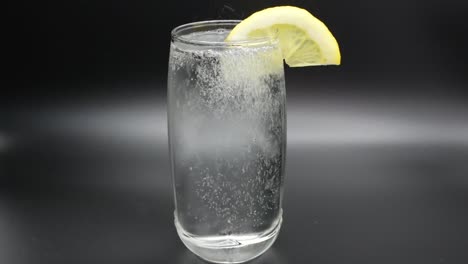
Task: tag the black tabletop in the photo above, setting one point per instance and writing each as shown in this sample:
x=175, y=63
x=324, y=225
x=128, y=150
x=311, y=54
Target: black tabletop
x=368, y=180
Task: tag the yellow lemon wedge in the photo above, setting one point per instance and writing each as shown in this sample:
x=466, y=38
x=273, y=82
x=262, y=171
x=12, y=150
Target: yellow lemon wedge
x=304, y=40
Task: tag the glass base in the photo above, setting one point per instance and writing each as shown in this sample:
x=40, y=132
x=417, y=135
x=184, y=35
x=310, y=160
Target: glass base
x=229, y=249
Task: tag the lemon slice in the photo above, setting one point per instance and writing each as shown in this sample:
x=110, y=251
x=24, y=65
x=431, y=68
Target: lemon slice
x=304, y=40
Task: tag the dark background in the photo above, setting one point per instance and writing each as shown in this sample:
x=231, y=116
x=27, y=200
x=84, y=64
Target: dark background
x=377, y=168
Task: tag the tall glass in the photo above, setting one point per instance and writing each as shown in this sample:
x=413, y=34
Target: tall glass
x=227, y=139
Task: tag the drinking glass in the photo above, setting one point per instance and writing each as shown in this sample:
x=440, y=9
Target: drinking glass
x=227, y=140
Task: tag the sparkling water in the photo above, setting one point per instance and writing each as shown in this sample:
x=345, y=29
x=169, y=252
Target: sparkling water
x=227, y=136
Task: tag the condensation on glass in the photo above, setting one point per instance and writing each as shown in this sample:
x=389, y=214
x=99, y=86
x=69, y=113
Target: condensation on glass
x=227, y=138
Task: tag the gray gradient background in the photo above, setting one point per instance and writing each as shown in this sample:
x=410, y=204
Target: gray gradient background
x=377, y=165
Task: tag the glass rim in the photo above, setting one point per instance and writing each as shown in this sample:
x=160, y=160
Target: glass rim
x=177, y=35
